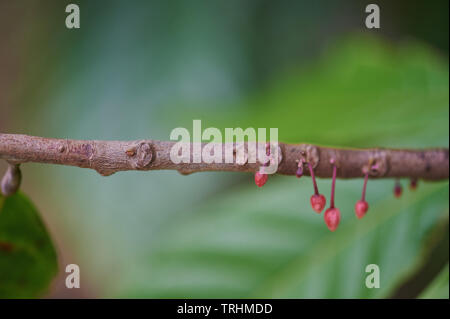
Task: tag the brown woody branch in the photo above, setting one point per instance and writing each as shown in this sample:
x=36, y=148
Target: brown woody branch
x=108, y=157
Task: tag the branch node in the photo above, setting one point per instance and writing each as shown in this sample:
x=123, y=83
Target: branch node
x=310, y=155
x=131, y=151
x=378, y=163
x=11, y=180
x=185, y=172
x=143, y=155
x=105, y=172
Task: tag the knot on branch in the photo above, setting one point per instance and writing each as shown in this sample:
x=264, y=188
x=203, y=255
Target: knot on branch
x=379, y=164
x=141, y=155
x=309, y=154
x=11, y=180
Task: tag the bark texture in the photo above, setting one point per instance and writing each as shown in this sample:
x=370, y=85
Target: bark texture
x=108, y=157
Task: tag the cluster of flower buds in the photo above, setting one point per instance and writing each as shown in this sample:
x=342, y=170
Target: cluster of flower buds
x=332, y=215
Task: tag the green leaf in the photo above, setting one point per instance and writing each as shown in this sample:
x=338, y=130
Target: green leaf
x=439, y=288
x=269, y=243
x=363, y=92
x=249, y=242
x=28, y=260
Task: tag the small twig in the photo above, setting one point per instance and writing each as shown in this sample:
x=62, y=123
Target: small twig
x=108, y=157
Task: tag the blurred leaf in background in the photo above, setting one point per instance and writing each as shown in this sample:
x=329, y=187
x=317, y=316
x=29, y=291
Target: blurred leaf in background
x=247, y=242
x=363, y=92
x=307, y=68
x=439, y=287
x=28, y=259
x=270, y=244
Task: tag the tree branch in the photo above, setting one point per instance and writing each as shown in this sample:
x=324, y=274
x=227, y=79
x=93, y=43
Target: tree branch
x=108, y=157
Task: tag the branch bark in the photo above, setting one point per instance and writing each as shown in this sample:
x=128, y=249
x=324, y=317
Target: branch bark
x=108, y=157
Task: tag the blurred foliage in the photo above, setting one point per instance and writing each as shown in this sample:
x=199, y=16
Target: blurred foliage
x=439, y=287
x=138, y=71
x=247, y=242
x=28, y=259
x=363, y=92
x=270, y=244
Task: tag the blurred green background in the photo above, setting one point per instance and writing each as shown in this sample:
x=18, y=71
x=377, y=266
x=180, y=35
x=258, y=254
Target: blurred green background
x=139, y=69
